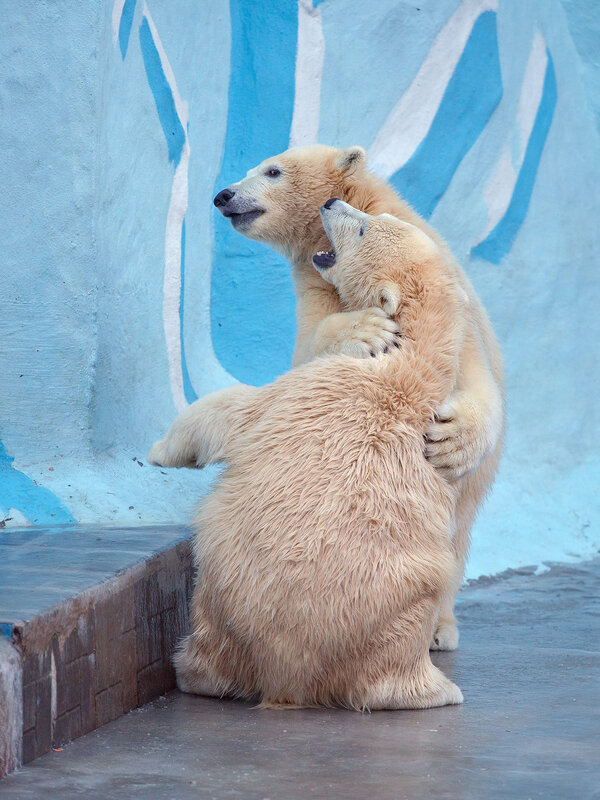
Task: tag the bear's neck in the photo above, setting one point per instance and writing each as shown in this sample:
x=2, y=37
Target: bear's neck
x=367, y=193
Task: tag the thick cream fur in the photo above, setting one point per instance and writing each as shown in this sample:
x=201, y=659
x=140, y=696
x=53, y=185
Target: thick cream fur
x=465, y=440
x=326, y=547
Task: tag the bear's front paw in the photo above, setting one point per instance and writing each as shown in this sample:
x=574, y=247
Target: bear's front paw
x=366, y=334
x=459, y=438
x=158, y=455
x=450, y=450
x=164, y=454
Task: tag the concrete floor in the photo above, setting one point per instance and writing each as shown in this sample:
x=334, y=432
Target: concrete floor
x=528, y=665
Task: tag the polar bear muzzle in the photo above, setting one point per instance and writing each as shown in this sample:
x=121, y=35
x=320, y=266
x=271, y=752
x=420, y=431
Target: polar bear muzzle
x=325, y=258
x=242, y=212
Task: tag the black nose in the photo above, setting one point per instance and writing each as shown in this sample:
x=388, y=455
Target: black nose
x=223, y=197
x=331, y=201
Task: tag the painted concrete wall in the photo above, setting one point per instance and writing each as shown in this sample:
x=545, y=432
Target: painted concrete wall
x=125, y=297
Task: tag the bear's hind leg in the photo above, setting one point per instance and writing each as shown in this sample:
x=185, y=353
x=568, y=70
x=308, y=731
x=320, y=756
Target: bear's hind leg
x=208, y=661
x=195, y=672
x=398, y=673
x=426, y=687
x=446, y=634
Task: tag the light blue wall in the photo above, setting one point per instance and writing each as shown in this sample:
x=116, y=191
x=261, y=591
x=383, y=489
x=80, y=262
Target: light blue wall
x=125, y=296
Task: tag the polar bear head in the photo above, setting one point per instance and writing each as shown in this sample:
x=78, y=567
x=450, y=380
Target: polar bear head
x=278, y=201
x=372, y=257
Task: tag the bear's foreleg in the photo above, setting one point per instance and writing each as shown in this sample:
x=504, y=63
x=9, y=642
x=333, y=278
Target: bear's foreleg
x=201, y=434
x=469, y=425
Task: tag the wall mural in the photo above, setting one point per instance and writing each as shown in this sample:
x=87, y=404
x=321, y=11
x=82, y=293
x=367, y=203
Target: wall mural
x=454, y=100
x=419, y=148
x=25, y=500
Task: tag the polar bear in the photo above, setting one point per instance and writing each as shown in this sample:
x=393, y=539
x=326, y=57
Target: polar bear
x=326, y=547
x=278, y=203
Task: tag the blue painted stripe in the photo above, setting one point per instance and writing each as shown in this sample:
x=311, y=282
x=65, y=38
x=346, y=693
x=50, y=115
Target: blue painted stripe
x=125, y=25
x=188, y=389
x=6, y=629
x=19, y=491
x=472, y=94
x=163, y=96
x=253, y=327
x=500, y=240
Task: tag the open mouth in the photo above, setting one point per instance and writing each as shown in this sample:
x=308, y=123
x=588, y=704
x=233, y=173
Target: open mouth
x=244, y=219
x=324, y=259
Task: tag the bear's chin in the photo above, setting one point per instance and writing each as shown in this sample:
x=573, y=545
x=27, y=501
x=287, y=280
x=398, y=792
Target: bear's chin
x=242, y=222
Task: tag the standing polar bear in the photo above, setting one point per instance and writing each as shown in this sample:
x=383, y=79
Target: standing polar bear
x=278, y=203
x=326, y=546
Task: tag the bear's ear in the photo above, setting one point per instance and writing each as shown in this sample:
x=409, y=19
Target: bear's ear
x=390, y=299
x=350, y=159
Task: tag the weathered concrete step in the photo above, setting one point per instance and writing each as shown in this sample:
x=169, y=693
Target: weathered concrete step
x=89, y=617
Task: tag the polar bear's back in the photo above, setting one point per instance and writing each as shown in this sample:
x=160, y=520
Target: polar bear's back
x=327, y=522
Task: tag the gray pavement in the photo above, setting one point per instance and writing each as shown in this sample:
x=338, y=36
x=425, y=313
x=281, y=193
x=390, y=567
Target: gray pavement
x=528, y=665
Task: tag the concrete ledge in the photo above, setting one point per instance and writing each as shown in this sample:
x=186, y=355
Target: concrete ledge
x=70, y=666
x=11, y=707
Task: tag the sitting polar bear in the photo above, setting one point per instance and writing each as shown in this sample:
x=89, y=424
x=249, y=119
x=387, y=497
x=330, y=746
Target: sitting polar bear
x=326, y=547
x=278, y=203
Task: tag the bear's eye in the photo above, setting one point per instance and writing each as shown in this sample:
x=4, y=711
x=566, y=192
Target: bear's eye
x=361, y=231
x=273, y=172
